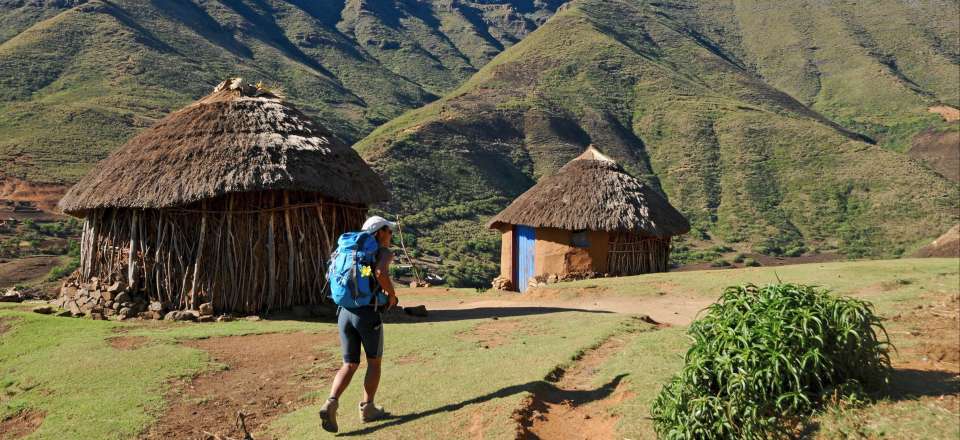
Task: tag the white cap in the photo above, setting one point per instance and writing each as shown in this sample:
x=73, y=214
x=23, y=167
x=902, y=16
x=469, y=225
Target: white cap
x=375, y=223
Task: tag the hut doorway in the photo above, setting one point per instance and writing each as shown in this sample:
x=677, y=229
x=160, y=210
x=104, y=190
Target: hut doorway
x=524, y=252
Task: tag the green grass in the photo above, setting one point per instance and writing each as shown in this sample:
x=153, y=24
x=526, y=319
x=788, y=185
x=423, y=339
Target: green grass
x=66, y=369
x=844, y=278
x=439, y=380
x=487, y=384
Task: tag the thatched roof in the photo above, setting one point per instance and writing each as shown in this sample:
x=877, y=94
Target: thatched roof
x=240, y=138
x=595, y=193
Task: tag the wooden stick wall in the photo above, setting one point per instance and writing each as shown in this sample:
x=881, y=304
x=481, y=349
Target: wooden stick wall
x=632, y=254
x=246, y=253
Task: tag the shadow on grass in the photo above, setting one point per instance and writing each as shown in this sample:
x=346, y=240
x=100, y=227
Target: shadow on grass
x=905, y=384
x=493, y=312
x=544, y=392
x=910, y=384
x=399, y=317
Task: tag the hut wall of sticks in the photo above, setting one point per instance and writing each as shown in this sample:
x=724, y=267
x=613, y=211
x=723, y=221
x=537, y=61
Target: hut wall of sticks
x=235, y=200
x=589, y=218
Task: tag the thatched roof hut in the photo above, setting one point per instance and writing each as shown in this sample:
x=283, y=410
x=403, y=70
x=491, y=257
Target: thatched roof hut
x=235, y=199
x=591, y=216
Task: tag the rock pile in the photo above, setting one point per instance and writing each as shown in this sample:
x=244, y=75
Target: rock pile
x=543, y=280
x=102, y=300
x=502, y=283
x=12, y=295
x=115, y=300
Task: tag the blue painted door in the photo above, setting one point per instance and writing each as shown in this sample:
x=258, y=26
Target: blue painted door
x=525, y=239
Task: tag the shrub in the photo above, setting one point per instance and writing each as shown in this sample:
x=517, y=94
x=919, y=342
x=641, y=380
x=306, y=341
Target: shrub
x=750, y=262
x=739, y=258
x=764, y=357
x=795, y=252
x=72, y=263
x=720, y=262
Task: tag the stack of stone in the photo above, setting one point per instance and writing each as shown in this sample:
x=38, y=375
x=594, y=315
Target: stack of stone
x=106, y=300
x=502, y=283
x=543, y=280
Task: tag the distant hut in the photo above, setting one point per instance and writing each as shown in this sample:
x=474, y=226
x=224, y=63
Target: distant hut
x=236, y=199
x=591, y=216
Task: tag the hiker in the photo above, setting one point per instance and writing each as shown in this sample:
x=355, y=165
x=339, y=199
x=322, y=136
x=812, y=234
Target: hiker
x=359, y=275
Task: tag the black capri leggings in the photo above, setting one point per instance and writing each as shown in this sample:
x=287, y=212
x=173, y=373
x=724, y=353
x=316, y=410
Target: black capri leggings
x=360, y=326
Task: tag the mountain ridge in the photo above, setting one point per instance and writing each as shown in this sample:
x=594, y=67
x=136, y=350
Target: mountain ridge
x=751, y=165
x=120, y=65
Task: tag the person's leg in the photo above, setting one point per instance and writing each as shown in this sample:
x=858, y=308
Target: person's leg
x=371, y=381
x=342, y=380
x=371, y=331
x=350, y=340
x=350, y=344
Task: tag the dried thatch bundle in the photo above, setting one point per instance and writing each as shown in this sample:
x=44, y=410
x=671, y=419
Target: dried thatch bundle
x=236, y=199
x=592, y=192
x=240, y=138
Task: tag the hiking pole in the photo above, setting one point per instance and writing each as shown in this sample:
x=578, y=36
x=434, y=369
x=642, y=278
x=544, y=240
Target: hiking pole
x=416, y=273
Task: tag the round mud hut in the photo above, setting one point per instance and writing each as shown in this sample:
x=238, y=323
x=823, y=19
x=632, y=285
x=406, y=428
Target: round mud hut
x=235, y=200
x=589, y=217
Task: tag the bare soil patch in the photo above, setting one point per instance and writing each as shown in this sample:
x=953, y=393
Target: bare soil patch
x=45, y=195
x=265, y=376
x=934, y=326
x=22, y=270
x=948, y=113
x=572, y=407
x=927, y=361
x=4, y=325
x=21, y=425
x=940, y=150
x=491, y=334
x=947, y=245
x=128, y=342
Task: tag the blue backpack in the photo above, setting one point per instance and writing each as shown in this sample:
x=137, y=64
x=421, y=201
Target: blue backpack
x=353, y=282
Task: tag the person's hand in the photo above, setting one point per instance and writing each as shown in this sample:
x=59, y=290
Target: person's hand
x=392, y=301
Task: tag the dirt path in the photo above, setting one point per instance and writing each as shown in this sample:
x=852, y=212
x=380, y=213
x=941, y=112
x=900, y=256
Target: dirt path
x=265, y=376
x=573, y=407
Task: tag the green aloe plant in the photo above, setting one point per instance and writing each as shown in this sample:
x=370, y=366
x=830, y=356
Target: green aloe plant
x=765, y=357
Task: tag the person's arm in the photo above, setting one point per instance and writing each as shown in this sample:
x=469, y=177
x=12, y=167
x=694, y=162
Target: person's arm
x=383, y=277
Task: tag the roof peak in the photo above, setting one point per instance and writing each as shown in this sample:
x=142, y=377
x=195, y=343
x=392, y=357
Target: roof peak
x=241, y=90
x=593, y=153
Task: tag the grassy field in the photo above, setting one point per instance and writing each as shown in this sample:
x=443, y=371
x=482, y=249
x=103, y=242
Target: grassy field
x=466, y=373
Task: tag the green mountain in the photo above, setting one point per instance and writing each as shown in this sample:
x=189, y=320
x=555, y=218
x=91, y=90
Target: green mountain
x=777, y=127
x=774, y=128
x=79, y=77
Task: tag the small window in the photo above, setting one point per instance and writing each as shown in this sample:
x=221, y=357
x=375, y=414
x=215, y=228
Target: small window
x=580, y=239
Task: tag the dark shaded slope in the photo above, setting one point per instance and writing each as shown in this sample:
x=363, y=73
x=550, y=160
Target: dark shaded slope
x=79, y=77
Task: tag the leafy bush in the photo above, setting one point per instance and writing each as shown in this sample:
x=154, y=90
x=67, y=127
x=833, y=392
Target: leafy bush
x=750, y=262
x=764, y=357
x=795, y=251
x=720, y=262
x=72, y=263
x=739, y=258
